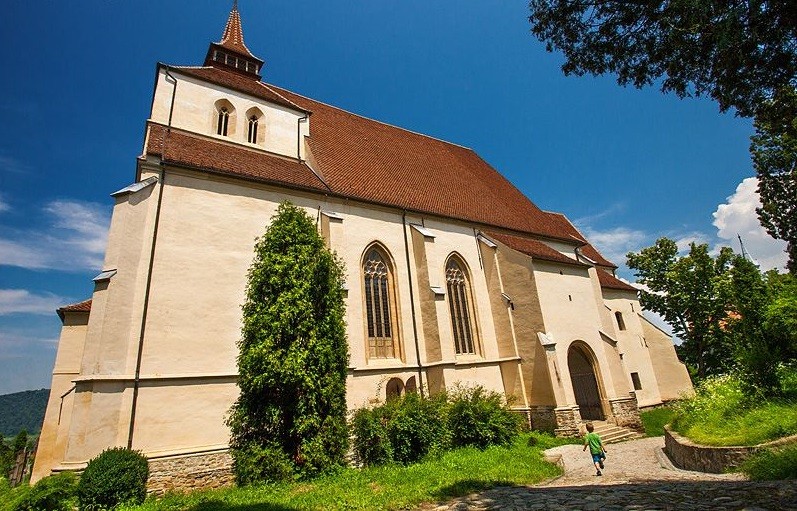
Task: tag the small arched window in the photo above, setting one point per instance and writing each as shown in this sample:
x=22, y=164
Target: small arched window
x=459, y=308
x=619, y=317
x=379, y=306
x=251, y=135
x=222, y=124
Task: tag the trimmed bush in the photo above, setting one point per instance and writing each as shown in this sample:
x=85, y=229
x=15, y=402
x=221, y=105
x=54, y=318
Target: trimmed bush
x=770, y=465
x=116, y=476
x=478, y=417
x=53, y=493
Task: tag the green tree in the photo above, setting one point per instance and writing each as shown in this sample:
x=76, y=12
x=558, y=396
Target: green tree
x=293, y=356
x=756, y=351
x=780, y=318
x=741, y=53
x=691, y=294
x=774, y=151
x=6, y=458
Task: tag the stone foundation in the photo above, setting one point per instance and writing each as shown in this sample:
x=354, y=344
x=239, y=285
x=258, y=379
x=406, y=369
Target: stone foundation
x=625, y=412
x=190, y=472
x=568, y=421
x=688, y=455
x=542, y=418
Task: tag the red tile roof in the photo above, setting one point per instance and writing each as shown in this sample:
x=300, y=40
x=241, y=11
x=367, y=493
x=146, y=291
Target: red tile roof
x=364, y=159
x=609, y=281
x=184, y=148
x=84, y=306
x=237, y=82
x=536, y=249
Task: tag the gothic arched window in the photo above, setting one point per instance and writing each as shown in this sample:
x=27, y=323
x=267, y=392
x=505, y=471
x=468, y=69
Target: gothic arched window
x=251, y=135
x=379, y=305
x=223, y=121
x=459, y=307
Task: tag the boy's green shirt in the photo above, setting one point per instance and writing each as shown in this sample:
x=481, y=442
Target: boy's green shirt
x=594, y=442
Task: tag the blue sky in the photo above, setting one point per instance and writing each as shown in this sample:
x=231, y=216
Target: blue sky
x=626, y=165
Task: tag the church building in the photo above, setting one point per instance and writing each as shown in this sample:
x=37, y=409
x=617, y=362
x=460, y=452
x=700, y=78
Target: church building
x=453, y=276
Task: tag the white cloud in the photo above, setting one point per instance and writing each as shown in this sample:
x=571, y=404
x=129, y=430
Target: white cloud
x=12, y=165
x=74, y=239
x=738, y=217
x=3, y=204
x=615, y=243
x=13, y=301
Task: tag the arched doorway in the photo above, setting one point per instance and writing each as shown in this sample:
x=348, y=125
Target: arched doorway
x=585, y=384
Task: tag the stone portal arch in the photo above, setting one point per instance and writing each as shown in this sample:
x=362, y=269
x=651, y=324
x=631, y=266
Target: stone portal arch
x=583, y=375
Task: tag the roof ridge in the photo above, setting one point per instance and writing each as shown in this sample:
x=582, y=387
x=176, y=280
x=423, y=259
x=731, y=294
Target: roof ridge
x=447, y=142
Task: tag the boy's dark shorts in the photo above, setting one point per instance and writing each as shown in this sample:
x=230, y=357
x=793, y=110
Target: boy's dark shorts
x=596, y=458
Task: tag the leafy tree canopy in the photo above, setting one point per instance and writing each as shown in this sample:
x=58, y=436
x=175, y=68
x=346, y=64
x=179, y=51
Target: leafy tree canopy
x=691, y=294
x=293, y=358
x=774, y=153
x=739, y=52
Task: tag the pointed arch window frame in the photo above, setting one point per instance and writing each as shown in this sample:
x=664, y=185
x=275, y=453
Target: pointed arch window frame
x=461, y=307
x=224, y=118
x=380, y=305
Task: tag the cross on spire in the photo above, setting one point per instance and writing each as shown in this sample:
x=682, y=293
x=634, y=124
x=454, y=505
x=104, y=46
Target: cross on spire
x=231, y=52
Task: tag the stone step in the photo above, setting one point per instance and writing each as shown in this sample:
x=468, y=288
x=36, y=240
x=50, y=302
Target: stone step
x=611, y=433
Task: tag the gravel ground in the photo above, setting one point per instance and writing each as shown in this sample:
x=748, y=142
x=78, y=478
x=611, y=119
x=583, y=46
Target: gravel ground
x=637, y=477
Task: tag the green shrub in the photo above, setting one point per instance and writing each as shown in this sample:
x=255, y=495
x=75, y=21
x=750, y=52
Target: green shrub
x=261, y=464
x=371, y=444
x=116, y=476
x=403, y=430
x=416, y=428
x=769, y=465
x=53, y=493
x=479, y=418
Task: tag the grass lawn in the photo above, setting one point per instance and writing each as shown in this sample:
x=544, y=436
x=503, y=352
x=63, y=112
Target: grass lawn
x=720, y=414
x=438, y=478
x=655, y=419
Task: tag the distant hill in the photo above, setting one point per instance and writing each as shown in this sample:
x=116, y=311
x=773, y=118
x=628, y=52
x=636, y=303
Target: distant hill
x=22, y=410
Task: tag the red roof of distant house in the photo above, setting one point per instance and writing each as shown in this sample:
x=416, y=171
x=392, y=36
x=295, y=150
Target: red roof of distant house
x=607, y=280
x=84, y=306
x=536, y=249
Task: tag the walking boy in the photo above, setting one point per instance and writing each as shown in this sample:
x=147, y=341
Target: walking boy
x=593, y=440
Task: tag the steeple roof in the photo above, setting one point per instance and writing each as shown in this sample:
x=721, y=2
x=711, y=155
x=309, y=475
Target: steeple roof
x=231, y=52
x=233, y=36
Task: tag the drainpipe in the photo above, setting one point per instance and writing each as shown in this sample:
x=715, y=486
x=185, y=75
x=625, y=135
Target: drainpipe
x=412, y=303
x=139, y=356
x=299, y=122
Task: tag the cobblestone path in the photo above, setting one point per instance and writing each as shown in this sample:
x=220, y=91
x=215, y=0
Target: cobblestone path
x=637, y=477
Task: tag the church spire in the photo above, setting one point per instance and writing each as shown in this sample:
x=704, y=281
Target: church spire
x=231, y=52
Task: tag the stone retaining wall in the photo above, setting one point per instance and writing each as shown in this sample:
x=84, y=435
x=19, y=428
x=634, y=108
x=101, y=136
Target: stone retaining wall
x=688, y=455
x=190, y=472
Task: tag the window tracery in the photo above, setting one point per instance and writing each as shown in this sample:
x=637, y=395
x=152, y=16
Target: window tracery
x=458, y=304
x=378, y=306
